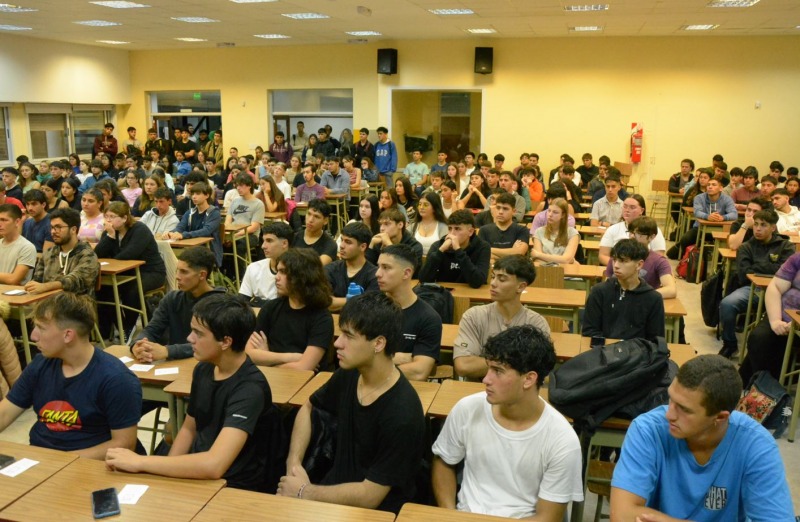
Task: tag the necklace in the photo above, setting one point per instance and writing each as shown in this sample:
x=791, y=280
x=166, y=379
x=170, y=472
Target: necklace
x=373, y=392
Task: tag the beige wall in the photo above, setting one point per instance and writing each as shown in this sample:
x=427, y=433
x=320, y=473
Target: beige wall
x=695, y=96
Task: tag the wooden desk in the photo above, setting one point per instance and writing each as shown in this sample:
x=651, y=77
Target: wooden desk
x=728, y=255
x=111, y=273
x=450, y=393
x=758, y=285
x=419, y=513
x=232, y=230
x=376, y=187
x=339, y=204
x=190, y=242
x=67, y=495
x=247, y=506
x=673, y=311
x=586, y=230
x=284, y=383
x=672, y=198
x=274, y=216
x=588, y=275
x=684, y=222
x=706, y=227
x=20, y=307
x=50, y=463
x=592, y=250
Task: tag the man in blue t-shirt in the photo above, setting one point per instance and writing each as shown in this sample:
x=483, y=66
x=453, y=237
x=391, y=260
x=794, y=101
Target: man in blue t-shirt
x=699, y=459
x=85, y=400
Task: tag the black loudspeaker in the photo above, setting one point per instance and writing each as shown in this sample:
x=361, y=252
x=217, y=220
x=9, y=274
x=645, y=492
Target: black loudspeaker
x=483, y=60
x=387, y=61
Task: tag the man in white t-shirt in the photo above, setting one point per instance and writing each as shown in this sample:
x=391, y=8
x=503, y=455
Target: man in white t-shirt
x=632, y=208
x=258, y=284
x=788, y=216
x=521, y=457
x=17, y=254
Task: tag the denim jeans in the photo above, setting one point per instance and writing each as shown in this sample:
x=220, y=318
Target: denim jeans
x=730, y=307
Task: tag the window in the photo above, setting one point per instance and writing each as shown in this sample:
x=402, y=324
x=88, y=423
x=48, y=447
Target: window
x=179, y=109
x=58, y=130
x=5, y=137
x=49, y=135
x=314, y=107
x=86, y=126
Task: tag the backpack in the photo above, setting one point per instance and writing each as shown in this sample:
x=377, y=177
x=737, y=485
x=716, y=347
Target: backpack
x=439, y=298
x=690, y=264
x=766, y=401
x=710, y=298
x=595, y=384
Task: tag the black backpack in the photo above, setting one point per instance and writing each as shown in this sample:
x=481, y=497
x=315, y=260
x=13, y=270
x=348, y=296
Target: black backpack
x=594, y=385
x=439, y=298
x=711, y=297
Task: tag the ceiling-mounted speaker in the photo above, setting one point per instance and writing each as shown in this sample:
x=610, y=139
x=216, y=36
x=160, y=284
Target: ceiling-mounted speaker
x=484, y=57
x=387, y=61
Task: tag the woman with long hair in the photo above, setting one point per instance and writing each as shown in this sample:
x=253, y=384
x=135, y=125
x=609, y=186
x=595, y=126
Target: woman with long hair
x=449, y=197
x=52, y=192
x=474, y=196
x=431, y=225
x=295, y=169
x=792, y=186
x=84, y=166
x=556, y=242
x=308, y=150
x=406, y=197
x=110, y=191
x=69, y=193
x=698, y=188
x=27, y=177
x=451, y=173
x=388, y=200
x=92, y=221
x=74, y=163
x=105, y=162
x=368, y=212
x=124, y=238
x=44, y=172
x=270, y=195
x=147, y=199
x=463, y=177
x=368, y=170
x=346, y=147
x=132, y=190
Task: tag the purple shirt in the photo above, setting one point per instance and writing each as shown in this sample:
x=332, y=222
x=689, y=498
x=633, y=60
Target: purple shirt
x=790, y=271
x=653, y=268
x=306, y=193
x=540, y=220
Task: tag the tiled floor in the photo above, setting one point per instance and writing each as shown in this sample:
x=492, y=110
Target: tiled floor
x=697, y=334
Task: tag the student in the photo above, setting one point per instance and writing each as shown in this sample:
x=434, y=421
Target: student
x=314, y=236
x=461, y=257
x=441, y=162
x=86, y=401
x=334, y=180
x=555, y=191
x=625, y=307
x=385, y=155
x=185, y=204
x=161, y=219
x=511, y=276
x=381, y=427
x=431, y=224
x=10, y=177
x=226, y=430
x=556, y=242
x=5, y=199
x=743, y=231
x=393, y=232
x=295, y=329
x=763, y=254
x=310, y=189
x=698, y=458
x=505, y=237
x=418, y=354
x=17, y=254
x=607, y=210
x=36, y=228
x=417, y=172
x=437, y=178
x=164, y=337
x=258, y=284
x=632, y=207
x=352, y=266
x=105, y=143
x=202, y=221
x=788, y=216
x=73, y=266
x=712, y=205
x=248, y=210
x=510, y=183
x=124, y=238
x=521, y=457
x=474, y=196
x=280, y=149
x=768, y=184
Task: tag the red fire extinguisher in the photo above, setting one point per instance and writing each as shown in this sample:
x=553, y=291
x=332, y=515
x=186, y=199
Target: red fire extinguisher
x=636, y=142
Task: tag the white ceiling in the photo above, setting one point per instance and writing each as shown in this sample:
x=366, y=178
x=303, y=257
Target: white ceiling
x=153, y=28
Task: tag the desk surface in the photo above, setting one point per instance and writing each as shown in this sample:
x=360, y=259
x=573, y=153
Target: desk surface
x=233, y=227
x=759, y=280
x=531, y=296
x=115, y=266
x=189, y=243
x=727, y=253
x=50, y=462
x=419, y=513
x=673, y=307
x=25, y=299
x=794, y=315
x=67, y=495
x=284, y=383
x=592, y=231
x=247, y=506
x=584, y=271
x=709, y=223
x=185, y=367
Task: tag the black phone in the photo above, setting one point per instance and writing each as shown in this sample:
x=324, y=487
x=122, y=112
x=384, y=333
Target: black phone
x=5, y=460
x=105, y=503
x=598, y=341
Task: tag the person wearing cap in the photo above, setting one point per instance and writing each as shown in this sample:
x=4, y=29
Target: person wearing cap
x=106, y=142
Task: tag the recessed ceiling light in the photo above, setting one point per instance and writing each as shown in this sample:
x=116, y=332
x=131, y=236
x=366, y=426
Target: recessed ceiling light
x=97, y=23
x=191, y=39
x=589, y=7
x=14, y=28
x=120, y=4
x=364, y=33
x=194, y=19
x=586, y=28
x=481, y=31
x=305, y=16
x=450, y=12
x=10, y=8
x=271, y=36
x=252, y=1
x=699, y=27
x=111, y=42
x=732, y=3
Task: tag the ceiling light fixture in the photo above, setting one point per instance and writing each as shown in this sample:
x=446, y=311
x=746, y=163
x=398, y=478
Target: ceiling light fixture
x=120, y=4
x=305, y=16
x=14, y=28
x=732, y=3
x=586, y=28
x=699, y=27
x=481, y=31
x=271, y=36
x=364, y=33
x=97, y=23
x=111, y=42
x=451, y=12
x=194, y=19
x=10, y=8
x=191, y=39
x=584, y=8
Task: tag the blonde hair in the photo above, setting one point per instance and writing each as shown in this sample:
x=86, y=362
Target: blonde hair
x=560, y=231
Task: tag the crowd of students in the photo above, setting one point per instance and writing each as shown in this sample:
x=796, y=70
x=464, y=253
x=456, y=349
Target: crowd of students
x=457, y=222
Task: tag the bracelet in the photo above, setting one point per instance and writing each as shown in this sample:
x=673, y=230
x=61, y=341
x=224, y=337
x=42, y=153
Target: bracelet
x=300, y=491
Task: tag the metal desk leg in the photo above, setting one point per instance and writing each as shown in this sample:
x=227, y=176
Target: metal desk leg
x=235, y=259
x=118, y=307
x=26, y=343
x=141, y=297
x=702, y=239
x=747, y=321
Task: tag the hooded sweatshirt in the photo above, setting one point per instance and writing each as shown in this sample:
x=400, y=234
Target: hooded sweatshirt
x=160, y=224
x=614, y=313
x=466, y=265
x=757, y=257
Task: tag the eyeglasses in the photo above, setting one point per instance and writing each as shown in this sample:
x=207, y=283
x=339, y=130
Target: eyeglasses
x=58, y=227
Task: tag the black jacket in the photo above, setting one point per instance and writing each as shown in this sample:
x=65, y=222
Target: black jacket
x=616, y=314
x=755, y=257
x=466, y=265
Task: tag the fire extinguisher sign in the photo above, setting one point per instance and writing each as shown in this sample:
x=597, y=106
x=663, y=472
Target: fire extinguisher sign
x=636, y=142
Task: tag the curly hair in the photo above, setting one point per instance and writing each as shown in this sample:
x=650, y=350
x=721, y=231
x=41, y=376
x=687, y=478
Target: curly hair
x=306, y=277
x=525, y=349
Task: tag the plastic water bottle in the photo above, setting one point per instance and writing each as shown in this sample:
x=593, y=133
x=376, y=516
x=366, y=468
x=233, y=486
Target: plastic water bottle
x=354, y=290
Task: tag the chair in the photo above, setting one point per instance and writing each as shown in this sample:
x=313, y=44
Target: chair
x=550, y=277
x=626, y=173
x=659, y=189
x=159, y=426
x=598, y=481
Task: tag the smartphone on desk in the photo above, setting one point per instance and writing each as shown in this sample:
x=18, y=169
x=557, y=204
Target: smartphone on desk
x=5, y=460
x=105, y=503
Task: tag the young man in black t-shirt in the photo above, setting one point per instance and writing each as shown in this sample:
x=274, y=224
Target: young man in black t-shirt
x=380, y=433
x=422, y=326
x=225, y=431
x=314, y=235
x=505, y=237
x=295, y=329
x=352, y=266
